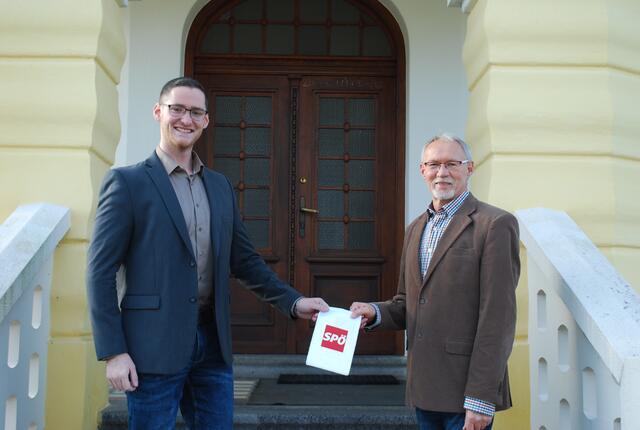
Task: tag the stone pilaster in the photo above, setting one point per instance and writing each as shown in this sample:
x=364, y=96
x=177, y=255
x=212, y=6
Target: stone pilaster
x=60, y=64
x=553, y=122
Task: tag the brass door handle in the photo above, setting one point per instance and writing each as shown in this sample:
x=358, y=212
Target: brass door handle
x=309, y=210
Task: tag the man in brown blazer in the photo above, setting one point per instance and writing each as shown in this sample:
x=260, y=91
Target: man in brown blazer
x=456, y=297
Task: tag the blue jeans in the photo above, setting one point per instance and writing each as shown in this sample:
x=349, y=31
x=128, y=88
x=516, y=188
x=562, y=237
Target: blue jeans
x=429, y=420
x=203, y=390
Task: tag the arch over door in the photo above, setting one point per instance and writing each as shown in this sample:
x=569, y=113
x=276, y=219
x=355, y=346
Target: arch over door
x=307, y=106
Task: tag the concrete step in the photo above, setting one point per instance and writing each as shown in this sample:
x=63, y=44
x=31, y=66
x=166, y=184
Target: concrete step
x=366, y=407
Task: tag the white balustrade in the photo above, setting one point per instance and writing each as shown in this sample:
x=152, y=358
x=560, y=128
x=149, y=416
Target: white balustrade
x=584, y=330
x=28, y=239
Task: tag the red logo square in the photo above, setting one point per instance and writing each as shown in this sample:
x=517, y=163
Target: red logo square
x=334, y=338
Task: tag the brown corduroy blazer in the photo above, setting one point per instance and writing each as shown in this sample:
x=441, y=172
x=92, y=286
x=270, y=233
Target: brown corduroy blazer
x=460, y=320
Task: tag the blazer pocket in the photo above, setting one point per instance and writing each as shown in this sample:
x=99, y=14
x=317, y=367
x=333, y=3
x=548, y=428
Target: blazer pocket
x=458, y=348
x=140, y=302
x=462, y=252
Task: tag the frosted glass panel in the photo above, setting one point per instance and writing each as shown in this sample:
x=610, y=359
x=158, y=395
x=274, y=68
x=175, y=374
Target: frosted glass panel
x=257, y=171
x=256, y=203
x=331, y=235
x=331, y=204
x=331, y=111
x=361, y=235
x=331, y=142
x=226, y=140
x=258, y=110
x=331, y=173
x=216, y=41
x=257, y=141
x=228, y=109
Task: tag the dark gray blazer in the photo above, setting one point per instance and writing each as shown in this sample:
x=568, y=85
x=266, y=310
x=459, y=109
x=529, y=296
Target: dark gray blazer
x=460, y=319
x=139, y=224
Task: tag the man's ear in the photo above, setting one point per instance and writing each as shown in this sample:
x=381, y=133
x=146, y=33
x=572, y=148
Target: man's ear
x=156, y=111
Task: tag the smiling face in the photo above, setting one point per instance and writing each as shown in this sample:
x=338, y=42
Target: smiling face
x=179, y=134
x=445, y=183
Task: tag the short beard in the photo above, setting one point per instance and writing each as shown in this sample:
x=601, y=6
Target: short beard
x=443, y=195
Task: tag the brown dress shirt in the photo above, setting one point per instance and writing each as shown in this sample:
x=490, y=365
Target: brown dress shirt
x=194, y=203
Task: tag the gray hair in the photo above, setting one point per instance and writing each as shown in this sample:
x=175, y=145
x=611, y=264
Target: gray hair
x=449, y=138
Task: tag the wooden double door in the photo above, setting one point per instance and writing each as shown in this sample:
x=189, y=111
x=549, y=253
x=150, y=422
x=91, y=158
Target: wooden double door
x=318, y=175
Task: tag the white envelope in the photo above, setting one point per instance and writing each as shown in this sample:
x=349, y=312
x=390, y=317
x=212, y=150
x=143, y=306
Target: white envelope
x=334, y=341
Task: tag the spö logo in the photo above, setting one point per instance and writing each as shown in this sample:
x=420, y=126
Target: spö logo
x=334, y=338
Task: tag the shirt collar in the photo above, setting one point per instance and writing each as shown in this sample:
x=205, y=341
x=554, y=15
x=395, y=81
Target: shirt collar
x=450, y=208
x=170, y=165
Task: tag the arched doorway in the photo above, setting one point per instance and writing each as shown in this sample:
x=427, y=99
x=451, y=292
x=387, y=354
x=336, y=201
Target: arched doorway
x=307, y=106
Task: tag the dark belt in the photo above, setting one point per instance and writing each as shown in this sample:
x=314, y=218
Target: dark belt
x=206, y=316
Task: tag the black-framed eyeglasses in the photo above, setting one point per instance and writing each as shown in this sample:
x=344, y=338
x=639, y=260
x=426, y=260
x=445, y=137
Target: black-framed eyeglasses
x=178, y=111
x=434, y=166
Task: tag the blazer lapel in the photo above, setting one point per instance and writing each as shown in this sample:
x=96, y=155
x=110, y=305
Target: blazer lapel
x=159, y=176
x=214, y=216
x=457, y=225
x=413, y=251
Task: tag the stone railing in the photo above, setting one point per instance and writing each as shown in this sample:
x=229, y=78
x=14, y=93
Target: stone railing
x=28, y=239
x=584, y=330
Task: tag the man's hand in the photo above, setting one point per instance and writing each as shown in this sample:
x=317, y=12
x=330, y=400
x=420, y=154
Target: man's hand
x=308, y=307
x=476, y=421
x=121, y=373
x=364, y=310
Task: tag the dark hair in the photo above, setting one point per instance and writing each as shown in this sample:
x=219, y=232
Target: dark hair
x=184, y=81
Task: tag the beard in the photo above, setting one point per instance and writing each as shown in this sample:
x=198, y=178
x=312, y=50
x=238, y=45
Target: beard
x=443, y=195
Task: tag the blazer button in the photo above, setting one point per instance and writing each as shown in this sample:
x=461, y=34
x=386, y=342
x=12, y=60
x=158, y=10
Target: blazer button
x=192, y=263
x=419, y=335
x=192, y=299
x=422, y=300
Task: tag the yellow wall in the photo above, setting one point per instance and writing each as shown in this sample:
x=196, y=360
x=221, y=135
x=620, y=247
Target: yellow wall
x=553, y=122
x=60, y=63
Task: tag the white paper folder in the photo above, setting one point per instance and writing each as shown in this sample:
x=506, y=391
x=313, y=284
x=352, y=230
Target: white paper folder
x=334, y=341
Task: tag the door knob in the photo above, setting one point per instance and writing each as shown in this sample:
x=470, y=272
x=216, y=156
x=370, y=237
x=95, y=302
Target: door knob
x=309, y=210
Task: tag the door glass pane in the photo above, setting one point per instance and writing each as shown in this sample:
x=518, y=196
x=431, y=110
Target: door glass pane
x=331, y=111
x=361, y=174
x=256, y=171
x=256, y=203
x=312, y=40
x=249, y=9
x=280, y=10
x=227, y=140
x=330, y=173
x=313, y=10
x=331, y=142
x=257, y=140
x=361, y=143
x=230, y=167
x=248, y=38
x=362, y=111
x=361, y=204
x=345, y=40
x=258, y=110
x=361, y=235
x=330, y=235
x=331, y=204
x=375, y=42
x=258, y=231
x=280, y=39
x=216, y=41
x=228, y=109
x=343, y=12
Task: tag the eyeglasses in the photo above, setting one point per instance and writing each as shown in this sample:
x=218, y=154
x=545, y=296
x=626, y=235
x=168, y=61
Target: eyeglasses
x=177, y=111
x=434, y=166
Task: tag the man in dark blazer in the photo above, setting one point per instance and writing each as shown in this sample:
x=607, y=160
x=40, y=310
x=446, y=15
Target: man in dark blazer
x=174, y=227
x=456, y=297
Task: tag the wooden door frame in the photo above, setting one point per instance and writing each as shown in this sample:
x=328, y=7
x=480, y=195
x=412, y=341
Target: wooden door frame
x=326, y=66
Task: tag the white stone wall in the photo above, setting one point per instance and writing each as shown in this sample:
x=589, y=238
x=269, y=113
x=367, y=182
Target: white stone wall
x=584, y=321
